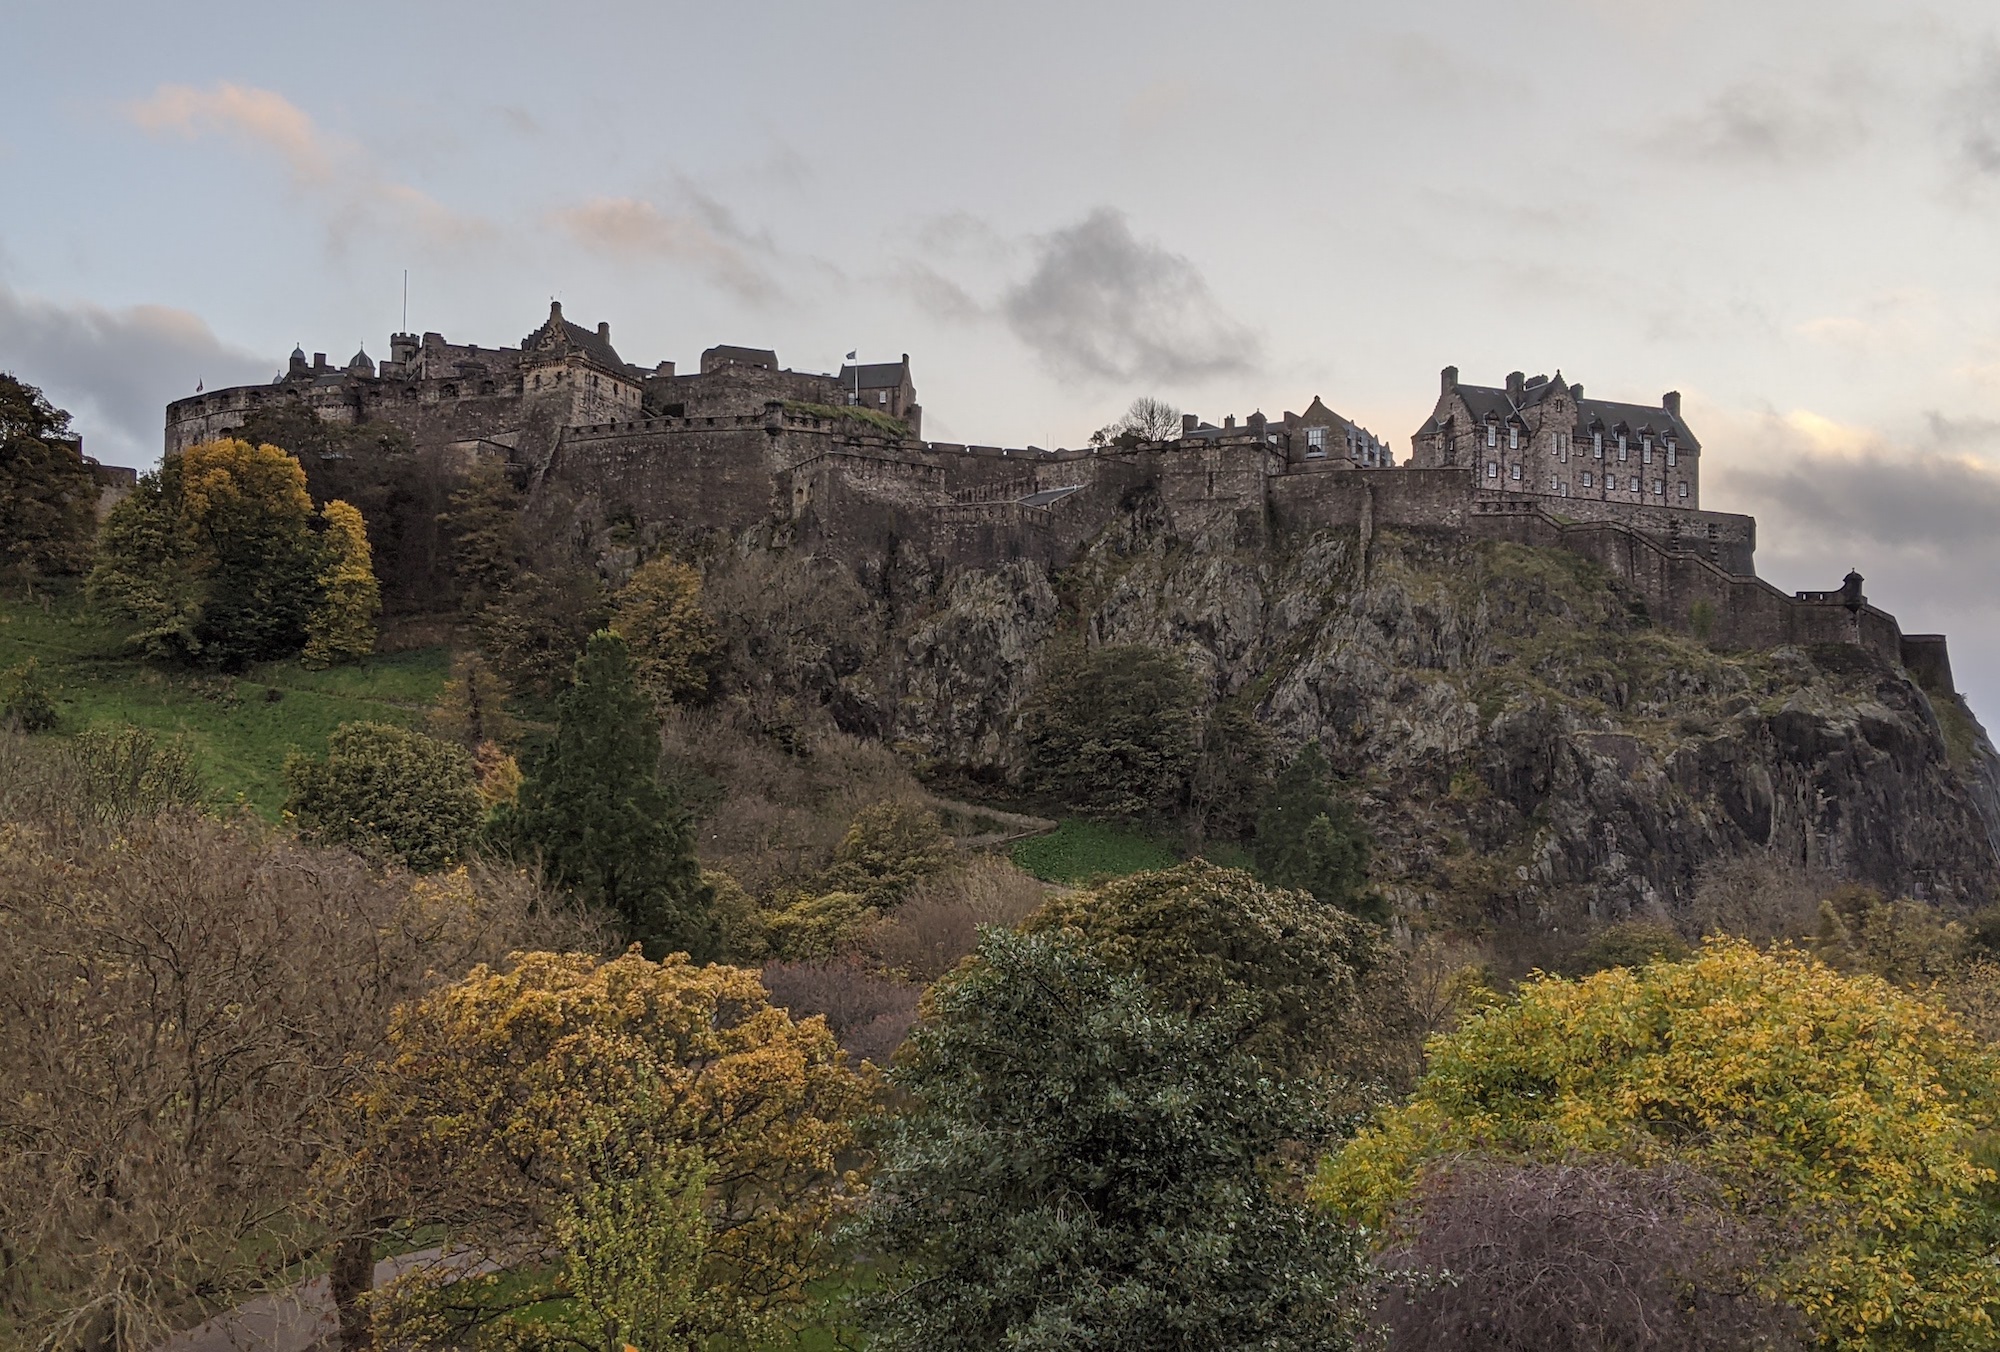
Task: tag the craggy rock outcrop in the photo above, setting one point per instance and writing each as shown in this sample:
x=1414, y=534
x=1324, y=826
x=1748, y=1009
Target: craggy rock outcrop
x=1522, y=740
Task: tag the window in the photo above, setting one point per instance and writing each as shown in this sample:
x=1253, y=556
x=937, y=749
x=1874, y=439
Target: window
x=1315, y=442
x=1659, y=488
x=1514, y=473
x=1671, y=448
x=1492, y=469
x=1562, y=490
x=1597, y=444
x=1646, y=450
x=882, y=398
x=1684, y=488
x=1587, y=482
x=1492, y=435
x=1621, y=446
x=1635, y=483
x=1513, y=438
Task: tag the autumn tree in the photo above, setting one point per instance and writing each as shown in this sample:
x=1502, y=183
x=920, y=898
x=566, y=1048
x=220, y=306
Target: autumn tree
x=889, y=848
x=189, y=1008
x=536, y=629
x=1110, y=732
x=591, y=810
x=659, y=614
x=48, y=494
x=482, y=524
x=342, y=624
x=1835, y=1105
x=1085, y=1164
x=213, y=557
x=387, y=791
x=661, y=1126
x=1309, y=838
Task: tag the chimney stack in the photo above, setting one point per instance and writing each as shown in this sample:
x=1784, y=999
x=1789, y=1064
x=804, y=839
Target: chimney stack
x=1188, y=424
x=1671, y=402
x=603, y=331
x=1229, y=423
x=1448, y=380
x=1517, y=383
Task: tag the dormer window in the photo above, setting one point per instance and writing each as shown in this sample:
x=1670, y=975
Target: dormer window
x=1646, y=449
x=1671, y=448
x=1492, y=433
x=1597, y=444
x=1513, y=438
x=1621, y=446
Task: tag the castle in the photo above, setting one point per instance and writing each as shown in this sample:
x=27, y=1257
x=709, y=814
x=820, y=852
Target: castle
x=836, y=463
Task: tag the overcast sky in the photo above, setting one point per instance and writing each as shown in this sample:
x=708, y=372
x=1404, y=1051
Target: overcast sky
x=1787, y=211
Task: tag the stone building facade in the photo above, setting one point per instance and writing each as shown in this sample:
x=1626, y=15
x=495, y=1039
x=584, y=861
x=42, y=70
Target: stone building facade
x=658, y=460
x=1542, y=436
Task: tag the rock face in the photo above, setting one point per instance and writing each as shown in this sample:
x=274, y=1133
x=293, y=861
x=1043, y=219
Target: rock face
x=1522, y=740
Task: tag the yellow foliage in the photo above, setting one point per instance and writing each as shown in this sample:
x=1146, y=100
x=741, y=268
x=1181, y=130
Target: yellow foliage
x=499, y=774
x=1851, y=1108
x=227, y=477
x=479, y=1101
x=342, y=626
x=660, y=616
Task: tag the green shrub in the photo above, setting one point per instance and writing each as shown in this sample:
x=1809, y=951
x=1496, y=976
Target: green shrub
x=1309, y=838
x=387, y=790
x=1111, y=732
x=27, y=699
x=130, y=772
x=888, y=850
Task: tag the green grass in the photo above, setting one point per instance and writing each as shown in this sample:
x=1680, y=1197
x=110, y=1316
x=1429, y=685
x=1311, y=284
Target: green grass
x=1084, y=851
x=238, y=733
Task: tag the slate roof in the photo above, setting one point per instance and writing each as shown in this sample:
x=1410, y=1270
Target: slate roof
x=887, y=375
x=1482, y=401
x=742, y=356
x=597, y=350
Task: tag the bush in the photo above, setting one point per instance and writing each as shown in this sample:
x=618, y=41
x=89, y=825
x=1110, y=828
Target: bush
x=889, y=848
x=938, y=923
x=1110, y=732
x=810, y=927
x=27, y=699
x=128, y=773
x=387, y=790
x=869, y=1013
x=1309, y=838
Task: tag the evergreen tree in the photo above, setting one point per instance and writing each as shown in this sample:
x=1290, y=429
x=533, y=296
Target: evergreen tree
x=389, y=791
x=1111, y=732
x=592, y=810
x=1308, y=838
x=1085, y=1165
x=342, y=626
x=48, y=495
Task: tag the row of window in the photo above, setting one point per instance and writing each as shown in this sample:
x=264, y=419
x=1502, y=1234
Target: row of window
x=1596, y=444
x=1633, y=485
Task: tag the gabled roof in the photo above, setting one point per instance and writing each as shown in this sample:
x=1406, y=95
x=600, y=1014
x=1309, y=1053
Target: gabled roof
x=726, y=353
x=1484, y=401
x=559, y=335
x=1636, y=417
x=887, y=375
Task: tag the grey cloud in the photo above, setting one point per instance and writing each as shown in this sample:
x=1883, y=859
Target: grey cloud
x=115, y=370
x=1975, y=114
x=1102, y=303
x=1768, y=122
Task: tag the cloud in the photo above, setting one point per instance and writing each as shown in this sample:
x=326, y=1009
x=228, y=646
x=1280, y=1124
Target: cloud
x=702, y=234
x=1763, y=122
x=1102, y=304
x=352, y=188
x=1975, y=113
x=115, y=370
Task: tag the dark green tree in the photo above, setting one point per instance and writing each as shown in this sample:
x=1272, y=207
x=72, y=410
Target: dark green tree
x=1309, y=838
x=1111, y=732
x=535, y=631
x=48, y=494
x=1085, y=1165
x=591, y=809
x=483, y=527
x=387, y=791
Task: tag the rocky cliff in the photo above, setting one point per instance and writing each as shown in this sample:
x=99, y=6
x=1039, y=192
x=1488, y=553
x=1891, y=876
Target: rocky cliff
x=1522, y=739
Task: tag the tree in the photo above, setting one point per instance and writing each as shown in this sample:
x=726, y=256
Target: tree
x=27, y=700
x=1207, y=939
x=537, y=628
x=48, y=494
x=483, y=524
x=1308, y=837
x=1085, y=1165
x=591, y=809
x=1148, y=419
x=889, y=848
x=342, y=625
x=388, y=791
x=1110, y=732
x=213, y=557
x=566, y=1102
x=659, y=615
x=189, y=1008
x=1835, y=1105
x=1576, y=1256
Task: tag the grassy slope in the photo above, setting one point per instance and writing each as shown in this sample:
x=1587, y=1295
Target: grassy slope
x=1085, y=851
x=239, y=735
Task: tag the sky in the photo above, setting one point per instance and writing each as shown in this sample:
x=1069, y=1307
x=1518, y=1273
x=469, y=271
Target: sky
x=1787, y=211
